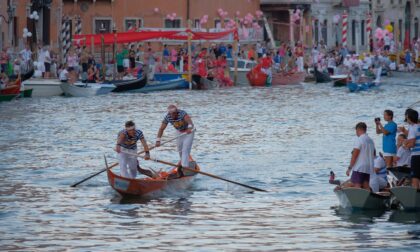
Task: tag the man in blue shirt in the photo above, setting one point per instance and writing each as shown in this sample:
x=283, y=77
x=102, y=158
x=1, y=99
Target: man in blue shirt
x=389, y=132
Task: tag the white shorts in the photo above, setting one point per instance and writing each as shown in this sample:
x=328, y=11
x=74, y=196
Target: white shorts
x=386, y=154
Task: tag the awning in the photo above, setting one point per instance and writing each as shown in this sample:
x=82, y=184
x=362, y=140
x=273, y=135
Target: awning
x=129, y=37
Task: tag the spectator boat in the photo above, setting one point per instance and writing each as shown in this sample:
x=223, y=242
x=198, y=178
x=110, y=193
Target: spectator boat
x=356, y=198
x=340, y=80
x=356, y=87
x=321, y=77
x=407, y=196
x=43, y=87
x=127, y=85
x=154, y=86
x=148, y=186
x=7, y=97
x=244, y=66
x=79, y=89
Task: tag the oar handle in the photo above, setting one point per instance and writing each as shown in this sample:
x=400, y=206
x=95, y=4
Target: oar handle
x=208, y=174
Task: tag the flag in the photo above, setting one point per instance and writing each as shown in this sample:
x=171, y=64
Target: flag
x=350, y=3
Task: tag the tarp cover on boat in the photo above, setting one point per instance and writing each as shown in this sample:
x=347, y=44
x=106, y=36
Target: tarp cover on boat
x=128, y=37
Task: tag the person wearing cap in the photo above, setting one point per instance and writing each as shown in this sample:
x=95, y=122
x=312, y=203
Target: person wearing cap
x=183, y=124
x=362, y=159
x=127, y=150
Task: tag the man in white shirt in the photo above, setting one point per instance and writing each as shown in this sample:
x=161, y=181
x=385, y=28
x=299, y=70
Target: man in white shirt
x=361, y=163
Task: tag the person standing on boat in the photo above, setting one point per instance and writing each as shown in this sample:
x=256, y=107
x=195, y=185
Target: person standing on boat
x=127, y=149
x=389, y=132
x=362, y=159
x=413, y=142
x=183, y=124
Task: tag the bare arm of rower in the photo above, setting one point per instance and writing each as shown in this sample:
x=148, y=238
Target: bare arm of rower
x=190, y=124
x=160, y=133
x=354, y=155
x=146, y=148
x=120, y=140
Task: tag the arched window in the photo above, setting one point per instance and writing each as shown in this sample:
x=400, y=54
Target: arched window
x=324, y=32
x=362, y=32
x=353, y=32
x=379, y=21
x=316, y=29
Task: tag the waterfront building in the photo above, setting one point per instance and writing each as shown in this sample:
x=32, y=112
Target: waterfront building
x=319, y=22
x=64, y=18
x=403, y=15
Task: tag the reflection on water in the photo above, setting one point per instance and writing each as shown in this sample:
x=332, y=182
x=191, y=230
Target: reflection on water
x=282, y=139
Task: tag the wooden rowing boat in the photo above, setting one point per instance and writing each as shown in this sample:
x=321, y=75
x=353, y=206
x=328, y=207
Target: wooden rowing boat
x=356, y=198
x=147, y=186
x=321, y=77
x=407, y=196
x=126, y=85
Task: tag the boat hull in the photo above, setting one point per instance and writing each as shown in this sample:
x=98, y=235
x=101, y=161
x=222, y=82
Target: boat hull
x=339, y=80
x=7, y=97
x=321, y=77
x=43, y=87
x=356, y=198
x=86, y=90
x=355, y=87
x=162, y=86
x=242, y=79
x=288, y=78
x=127, y=85
x=144, y=187
x=408, y=197
x=27, y=93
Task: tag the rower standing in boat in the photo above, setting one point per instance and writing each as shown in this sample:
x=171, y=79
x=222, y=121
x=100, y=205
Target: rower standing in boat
x=183, y=124
x=127, y=150
x=362, y=159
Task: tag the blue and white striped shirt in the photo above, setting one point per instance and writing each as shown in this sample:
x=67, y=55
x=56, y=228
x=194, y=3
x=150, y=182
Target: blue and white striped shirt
x=414, y=132
x=130, y=142
x=179, y=122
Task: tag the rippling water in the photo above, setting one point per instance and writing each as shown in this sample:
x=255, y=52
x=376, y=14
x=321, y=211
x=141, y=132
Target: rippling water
x=282, y=139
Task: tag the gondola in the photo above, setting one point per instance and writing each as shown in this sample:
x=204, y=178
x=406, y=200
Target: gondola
x=321, y=77
x=126, y=85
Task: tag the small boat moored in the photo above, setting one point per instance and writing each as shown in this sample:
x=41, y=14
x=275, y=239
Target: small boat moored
x=126, y=85
x=321, y=77
x=153, y=86
x=339, y=80
x=7, y=97
x=407, y=196
x=43, y=87
x=356, y=87
x=357, y=198
x=79, y=89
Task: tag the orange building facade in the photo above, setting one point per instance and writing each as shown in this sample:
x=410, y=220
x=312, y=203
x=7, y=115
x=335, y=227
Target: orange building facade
x=96, y=16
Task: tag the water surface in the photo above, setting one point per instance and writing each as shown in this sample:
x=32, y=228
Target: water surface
x=282, y=139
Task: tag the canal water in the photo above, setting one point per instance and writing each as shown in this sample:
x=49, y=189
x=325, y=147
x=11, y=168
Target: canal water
x=282, y=139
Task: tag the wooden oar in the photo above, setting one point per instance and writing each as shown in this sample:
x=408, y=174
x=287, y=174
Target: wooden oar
x=115, y=164
x=208, y=174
